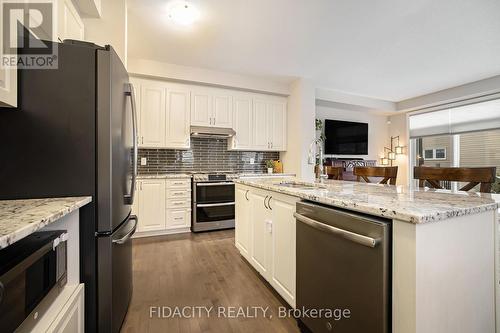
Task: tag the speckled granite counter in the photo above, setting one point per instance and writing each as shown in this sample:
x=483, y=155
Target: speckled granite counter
x=394, y=202
x=20, y=218
x=164, y=176
x=263, y=175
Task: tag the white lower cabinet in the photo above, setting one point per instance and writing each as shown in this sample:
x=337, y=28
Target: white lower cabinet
x=71, y=318
x=163, y=206
x=152, y=205
x=265, y=236
x=242, y=220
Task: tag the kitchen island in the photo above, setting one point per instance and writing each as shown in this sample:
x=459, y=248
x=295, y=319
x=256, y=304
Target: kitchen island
x=443, y=246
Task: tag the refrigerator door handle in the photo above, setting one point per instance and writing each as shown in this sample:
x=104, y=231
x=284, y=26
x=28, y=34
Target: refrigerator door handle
x=129, y=198
x=129, y=234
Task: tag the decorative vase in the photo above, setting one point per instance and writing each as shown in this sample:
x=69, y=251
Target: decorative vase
x=269, y=170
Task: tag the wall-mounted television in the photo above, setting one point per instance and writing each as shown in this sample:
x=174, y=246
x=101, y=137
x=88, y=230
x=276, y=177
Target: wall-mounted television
x=346, y=138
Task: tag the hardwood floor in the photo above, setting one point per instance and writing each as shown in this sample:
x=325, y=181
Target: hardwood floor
x=198, y=270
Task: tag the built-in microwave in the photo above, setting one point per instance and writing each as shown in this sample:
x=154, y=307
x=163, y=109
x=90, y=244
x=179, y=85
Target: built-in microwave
x=31, y=270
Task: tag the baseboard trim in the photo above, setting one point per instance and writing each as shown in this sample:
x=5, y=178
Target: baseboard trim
x=162, y=232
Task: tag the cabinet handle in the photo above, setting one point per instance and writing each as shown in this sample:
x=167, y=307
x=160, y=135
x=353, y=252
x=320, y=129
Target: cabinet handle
x=269, y=203
x=178, y=218
x=265, y=202
x=246, y=195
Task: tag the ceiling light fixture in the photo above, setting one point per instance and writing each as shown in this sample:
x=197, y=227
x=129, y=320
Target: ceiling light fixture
x=182, y=13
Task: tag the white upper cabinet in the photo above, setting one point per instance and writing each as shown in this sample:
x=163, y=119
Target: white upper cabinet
x=163, y=112
x=70, y=24
x=166, y=111
x=277, y=128
x=178, y=118
x=152, y=113
x=8, y=87
x=201, y=107
x=242, y=122
x=211, y=107
x=222, y=111
x=260, y=125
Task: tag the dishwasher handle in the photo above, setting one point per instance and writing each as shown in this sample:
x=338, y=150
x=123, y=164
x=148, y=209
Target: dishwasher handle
x=354, y=237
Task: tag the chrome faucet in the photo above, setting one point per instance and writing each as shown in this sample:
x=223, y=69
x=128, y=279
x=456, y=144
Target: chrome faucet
x=316, y=151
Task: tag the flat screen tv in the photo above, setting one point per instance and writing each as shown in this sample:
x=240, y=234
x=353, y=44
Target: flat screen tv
x=346, y=138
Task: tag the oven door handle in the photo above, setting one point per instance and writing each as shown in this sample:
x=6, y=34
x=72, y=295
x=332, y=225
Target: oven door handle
x=216, y=204
x=214, y=184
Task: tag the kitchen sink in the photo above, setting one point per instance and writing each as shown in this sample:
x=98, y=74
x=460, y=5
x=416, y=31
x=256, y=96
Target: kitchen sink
x=298, y=185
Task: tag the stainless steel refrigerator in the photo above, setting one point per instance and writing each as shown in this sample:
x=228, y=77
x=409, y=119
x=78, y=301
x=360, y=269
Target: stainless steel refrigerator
x=73, y=134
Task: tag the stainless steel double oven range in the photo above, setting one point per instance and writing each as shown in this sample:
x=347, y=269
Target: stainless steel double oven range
x=213, y=201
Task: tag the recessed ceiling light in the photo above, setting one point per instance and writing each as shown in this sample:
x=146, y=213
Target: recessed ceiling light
x=182, y=12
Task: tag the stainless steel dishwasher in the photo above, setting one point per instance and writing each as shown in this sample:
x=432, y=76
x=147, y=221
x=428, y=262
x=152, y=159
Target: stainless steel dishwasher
x=343, y=263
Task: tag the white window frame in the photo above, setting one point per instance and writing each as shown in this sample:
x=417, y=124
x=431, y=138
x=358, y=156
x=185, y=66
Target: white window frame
x=434, y=158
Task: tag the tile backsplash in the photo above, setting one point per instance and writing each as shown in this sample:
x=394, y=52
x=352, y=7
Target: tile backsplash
x=206, y=154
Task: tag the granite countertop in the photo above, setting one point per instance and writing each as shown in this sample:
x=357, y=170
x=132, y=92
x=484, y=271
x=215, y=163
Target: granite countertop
x=187, y=175
x=164, y=176
x=255, y=175
x=403, y=203
x=20, y=218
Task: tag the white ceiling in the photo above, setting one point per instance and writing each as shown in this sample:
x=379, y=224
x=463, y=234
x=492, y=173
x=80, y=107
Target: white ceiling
x=386, y=49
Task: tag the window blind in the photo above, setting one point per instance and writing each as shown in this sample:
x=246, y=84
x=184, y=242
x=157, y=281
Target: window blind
x=468, y=118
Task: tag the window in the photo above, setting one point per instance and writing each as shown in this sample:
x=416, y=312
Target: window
x=435, y=154
x=466, y=136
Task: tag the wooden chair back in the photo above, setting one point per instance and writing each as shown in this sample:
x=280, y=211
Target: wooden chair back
x=334, y=172
x=472, y=176
x=388, y=174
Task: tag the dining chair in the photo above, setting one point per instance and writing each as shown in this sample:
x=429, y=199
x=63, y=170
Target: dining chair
x=388, y=174
x=335, y=173
x=433, y=176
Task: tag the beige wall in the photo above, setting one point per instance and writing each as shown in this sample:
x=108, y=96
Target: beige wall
x=378, y=129
x=110, y=28
x=301, y=129
x=399, y=126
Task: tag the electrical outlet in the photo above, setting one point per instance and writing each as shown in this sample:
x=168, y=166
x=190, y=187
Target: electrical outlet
x=252, y=160
x=144, y=161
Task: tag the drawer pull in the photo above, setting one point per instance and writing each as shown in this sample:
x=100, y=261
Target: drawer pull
x=178, y=218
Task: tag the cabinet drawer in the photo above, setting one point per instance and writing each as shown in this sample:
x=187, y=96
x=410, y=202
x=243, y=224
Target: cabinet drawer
x=174, y=193
x=177, y=218
x=178, y=183
x=183, y=203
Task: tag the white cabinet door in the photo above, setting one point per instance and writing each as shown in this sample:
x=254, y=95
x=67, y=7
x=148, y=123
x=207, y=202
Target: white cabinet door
x=8, y=87
x=260, y=125
x=178, y=118
x=71, y=318
x=222, y=111
x=201, y=108
x=243, y=224
x=151, y=205
x=283, y=246
x=261, y=231
x=70, y=24
x=152, y=116
x=277, y=130
x=242, y=122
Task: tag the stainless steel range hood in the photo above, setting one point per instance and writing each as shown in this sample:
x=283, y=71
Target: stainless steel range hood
x=212, y=132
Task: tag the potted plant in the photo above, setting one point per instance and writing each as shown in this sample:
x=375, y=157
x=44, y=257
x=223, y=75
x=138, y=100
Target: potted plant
x=270, y=166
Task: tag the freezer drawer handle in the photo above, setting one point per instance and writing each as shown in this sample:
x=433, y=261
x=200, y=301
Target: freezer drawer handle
x=357, y=238
x=130, y=233
x=216, y=204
